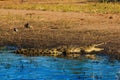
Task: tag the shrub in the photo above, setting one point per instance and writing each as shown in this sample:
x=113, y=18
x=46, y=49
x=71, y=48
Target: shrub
x=107, y=0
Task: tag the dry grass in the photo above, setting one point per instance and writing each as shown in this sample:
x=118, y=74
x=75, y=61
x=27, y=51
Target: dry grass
x=63, y=5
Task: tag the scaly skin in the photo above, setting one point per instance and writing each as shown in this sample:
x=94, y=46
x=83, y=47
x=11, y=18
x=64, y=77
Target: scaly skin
x=63, y=51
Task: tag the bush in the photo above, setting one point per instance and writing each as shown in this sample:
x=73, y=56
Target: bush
x=109, y=0
x=106, y=0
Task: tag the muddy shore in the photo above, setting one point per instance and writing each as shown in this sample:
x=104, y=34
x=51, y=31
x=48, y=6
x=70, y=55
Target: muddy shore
x=53, y=29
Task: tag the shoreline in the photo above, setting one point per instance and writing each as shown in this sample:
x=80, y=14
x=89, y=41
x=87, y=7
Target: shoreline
x=70, y=52
x=54, y=29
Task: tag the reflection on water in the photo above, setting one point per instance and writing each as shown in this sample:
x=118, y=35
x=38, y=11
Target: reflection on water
x=16, y=67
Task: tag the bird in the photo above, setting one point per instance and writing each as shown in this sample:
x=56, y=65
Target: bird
x=15, y=29
x=27, y=25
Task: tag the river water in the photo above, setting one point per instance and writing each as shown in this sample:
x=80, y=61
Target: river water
x=18, y=67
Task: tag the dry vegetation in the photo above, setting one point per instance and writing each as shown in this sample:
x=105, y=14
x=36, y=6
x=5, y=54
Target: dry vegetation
x=52, y=28
x=62, y=6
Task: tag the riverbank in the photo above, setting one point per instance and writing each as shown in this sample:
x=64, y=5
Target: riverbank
x=53, y=29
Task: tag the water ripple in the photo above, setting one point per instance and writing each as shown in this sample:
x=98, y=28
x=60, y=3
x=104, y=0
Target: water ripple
x=16, y=67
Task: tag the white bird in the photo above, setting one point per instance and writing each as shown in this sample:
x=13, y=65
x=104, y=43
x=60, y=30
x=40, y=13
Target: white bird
x=15, y=29
x=27, y=25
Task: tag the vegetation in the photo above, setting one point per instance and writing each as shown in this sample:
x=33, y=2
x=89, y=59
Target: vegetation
x=109, y=0
x=74, y=7
x=63, y=5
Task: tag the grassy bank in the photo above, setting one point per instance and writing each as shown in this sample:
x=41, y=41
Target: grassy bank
x=89, y=7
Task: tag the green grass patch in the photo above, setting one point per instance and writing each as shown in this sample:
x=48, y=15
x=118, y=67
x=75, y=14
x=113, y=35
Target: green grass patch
x=88, y=7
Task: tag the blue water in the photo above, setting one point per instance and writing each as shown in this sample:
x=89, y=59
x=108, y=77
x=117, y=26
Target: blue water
x=17, y=67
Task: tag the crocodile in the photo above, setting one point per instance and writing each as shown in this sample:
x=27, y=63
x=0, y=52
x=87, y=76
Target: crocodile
x=63, y=51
